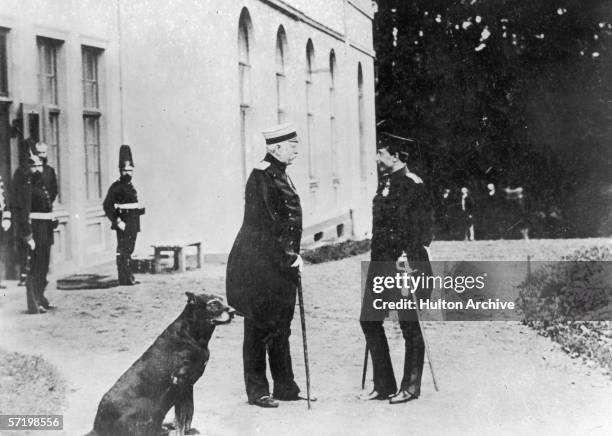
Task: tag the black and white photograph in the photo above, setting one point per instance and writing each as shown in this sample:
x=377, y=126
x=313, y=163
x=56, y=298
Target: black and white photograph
x=305, y=217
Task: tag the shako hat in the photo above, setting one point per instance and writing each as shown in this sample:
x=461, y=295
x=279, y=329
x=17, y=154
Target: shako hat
x=126, y=162
x=279, y=133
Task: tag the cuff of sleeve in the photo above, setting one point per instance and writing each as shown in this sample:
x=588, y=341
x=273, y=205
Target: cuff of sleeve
x=6, y=215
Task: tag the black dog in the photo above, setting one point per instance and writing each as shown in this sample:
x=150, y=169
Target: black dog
x=164, y=375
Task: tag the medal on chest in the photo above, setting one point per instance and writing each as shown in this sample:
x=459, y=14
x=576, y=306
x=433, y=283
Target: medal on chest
x=385, y=190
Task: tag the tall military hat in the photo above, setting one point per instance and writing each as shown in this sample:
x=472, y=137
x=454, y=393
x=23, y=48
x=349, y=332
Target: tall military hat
x=126, y=162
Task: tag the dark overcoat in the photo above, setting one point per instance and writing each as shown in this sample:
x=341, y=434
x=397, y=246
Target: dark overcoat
x=260, y=280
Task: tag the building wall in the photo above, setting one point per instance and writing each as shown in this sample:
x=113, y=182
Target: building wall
x=179, y=109
x=182, y=94
x=71, y=23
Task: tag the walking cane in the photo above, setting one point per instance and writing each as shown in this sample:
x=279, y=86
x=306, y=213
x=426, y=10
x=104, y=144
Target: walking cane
x=303, y=321
x=365, y=366
x=406, y=268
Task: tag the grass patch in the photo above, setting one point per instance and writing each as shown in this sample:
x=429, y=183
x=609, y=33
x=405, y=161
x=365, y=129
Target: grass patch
x=30, y=385
x=571, y=302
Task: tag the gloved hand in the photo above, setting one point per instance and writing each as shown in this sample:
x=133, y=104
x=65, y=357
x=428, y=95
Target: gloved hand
x=120, y=225
x=299, y=263
x=6, y=224
x=31, y=244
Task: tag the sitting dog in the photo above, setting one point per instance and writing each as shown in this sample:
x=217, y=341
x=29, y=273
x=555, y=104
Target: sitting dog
x=164, y=375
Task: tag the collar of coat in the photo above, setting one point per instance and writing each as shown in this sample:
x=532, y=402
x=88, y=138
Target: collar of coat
x=274, y=161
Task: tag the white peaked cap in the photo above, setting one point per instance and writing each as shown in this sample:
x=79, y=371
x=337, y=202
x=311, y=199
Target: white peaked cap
x=279, y=133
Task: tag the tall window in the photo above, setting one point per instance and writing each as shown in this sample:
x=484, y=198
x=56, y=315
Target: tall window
x=281, y=48
x=244, y=72
x=91, y=121
x=48, y=50
x=333, y=133
x=361, y=108
x=3, y=62
x=309, y=108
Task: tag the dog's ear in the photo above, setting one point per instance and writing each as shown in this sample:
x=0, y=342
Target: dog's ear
x=191, y=298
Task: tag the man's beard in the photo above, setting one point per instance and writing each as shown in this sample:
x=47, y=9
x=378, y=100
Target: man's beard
x=44, y=160
x=36, y=177
x=126, y=178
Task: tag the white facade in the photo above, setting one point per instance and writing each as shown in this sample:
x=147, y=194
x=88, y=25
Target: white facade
x=189, y=85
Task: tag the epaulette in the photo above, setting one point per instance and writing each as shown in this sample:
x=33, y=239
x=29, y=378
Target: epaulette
x=416, y=179
x=263, y=165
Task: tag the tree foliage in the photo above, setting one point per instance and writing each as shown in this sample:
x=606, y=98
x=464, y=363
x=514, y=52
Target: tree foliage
x=512, y=91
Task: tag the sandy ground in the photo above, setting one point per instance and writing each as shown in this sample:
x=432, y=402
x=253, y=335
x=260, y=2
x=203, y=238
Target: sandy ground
x=494, y=377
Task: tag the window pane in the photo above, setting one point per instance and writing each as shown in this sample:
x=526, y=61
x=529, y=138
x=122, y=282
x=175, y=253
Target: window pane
x=3, y=64
x=92, y=157
x=47, y=64
x=90, y=57
x=53, y=142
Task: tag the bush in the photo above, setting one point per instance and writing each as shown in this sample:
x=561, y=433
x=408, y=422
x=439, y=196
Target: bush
x=339, y=251
x=571, y=302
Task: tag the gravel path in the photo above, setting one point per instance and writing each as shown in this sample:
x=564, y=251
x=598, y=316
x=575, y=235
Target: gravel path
x=494, y=377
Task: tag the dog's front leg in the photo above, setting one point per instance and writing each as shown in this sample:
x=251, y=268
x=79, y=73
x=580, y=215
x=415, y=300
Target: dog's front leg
x=183, y=412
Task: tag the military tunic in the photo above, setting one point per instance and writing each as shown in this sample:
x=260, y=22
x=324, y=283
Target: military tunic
x=402, y=223
x=32, y=213
x=260, y=280
x=121, y=202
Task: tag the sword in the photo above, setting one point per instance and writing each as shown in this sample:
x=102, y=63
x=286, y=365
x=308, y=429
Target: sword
x=30, y=297
x=403, y=265
x=303, y=322
x=365, y=366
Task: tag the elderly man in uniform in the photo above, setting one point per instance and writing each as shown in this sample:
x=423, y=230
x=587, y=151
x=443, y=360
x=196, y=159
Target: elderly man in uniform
x=402, y=223
x=33, y=213
x=122, y=209
x=263, y=269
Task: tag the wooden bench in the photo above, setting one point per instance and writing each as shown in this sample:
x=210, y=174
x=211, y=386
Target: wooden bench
x=178, y=249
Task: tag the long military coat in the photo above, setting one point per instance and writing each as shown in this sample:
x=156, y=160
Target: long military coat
x=260, y=280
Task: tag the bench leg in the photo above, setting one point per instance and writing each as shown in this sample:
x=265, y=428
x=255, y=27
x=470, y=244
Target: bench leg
x=156, y=261
x=180, y=256
x=200, y=256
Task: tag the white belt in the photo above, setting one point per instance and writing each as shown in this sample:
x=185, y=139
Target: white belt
x=41, y=215
x=127, y=206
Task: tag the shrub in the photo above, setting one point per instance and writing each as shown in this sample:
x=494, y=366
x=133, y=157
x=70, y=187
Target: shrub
x=571, y=302
x=338, y=251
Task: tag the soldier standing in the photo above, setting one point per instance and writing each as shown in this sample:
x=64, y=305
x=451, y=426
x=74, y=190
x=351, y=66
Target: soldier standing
x=263, y=270
x=122, y=209
x=5, y=216
x=402, y=223
x=33, y=212
x=49, y=176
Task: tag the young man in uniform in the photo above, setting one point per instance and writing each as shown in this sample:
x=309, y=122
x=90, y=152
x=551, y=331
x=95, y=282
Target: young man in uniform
x=402, y=223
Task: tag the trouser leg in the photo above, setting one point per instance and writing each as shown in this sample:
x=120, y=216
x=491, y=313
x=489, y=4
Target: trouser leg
x=42, y=269
x=414, y=357
x=254, y=360
x=281, y=368
x=384, y=379
x=125, y=247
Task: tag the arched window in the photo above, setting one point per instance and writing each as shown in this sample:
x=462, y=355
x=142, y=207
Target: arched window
x=333, y=134
x=281, y=52
x=361, y=107
x=310, y=108
x=244, y=71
